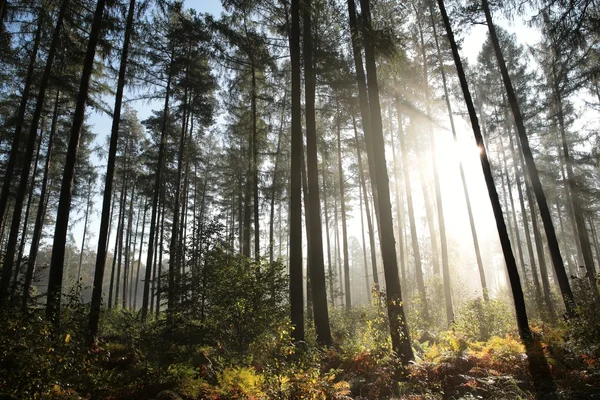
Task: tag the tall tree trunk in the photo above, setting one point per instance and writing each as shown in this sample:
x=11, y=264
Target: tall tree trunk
x=255, y=168
x=131, y=278
x=513, y=213
x=128, y=249
x=538, y=365
x=117, y=239
x=329, y=265
x=295, y=230
x=27, y=158
x=139, y=263
x=41, y=211
x=484, y=288
x=156, y=193
x=539, y=246
x=398, y=326
x=309, y=302
x=559, y=267
x=317, y=267
x=160, y=250
x=411, y=214
x=273, y=185
x=364, y=246
x=343, y=210
x=370, y=227
x=19, y=267
x=532, y=263
x=338, y=255
x=85, y=225
x=175, y=245
x=399, y=212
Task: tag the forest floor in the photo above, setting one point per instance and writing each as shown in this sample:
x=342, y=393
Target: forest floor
x=184, y=361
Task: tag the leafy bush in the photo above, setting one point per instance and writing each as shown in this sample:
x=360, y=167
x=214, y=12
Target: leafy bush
x=480, y=320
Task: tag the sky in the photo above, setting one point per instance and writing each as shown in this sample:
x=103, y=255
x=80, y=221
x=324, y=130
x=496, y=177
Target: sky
x=453, y=198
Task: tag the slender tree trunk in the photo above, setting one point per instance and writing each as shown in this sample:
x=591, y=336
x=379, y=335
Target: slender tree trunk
x=411, y=214
x=430, y=216
x=119, y=249
x=41, y=211
x=153, y=267
x=175, y=245
x=343, y=210
x=338, y=255
x=317, y=267
x=128, y=249
x=571, y=265
x=559, y=267
x=160, y=250
x=370, y=227
x=66, y=191
x=513, y=213
x=114, y=260
x=255, y=168
x=27, y=158
x=536, y=234
x=157, y=188
x=295, y=230
x=364, y=246
x=131, y=278
x=139, y=263
x=484, y=288
x=273, y=186
x=537, y=362
x=309, y=300
x=19, y=267
x=85, y=225
x=399, y=212
x=398, y=326
x=329, y=265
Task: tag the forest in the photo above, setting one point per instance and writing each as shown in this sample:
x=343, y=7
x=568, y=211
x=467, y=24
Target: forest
x=299, y=199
